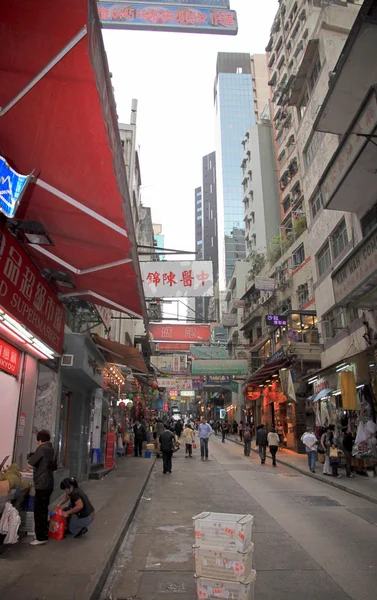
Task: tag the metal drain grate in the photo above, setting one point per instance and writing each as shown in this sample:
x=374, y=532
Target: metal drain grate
x=319, y=501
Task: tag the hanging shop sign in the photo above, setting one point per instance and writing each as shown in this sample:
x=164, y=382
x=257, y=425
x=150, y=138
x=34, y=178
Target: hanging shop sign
x=12, y=188
x=252, y=392
x=26, y=296
x=168, y=279
x=197, y=384
x=187, y=393
x=229, y=320
x=176, y=363
x=219, y=380
x=166, y=347
x=9, y=358
x=162, y=17
x=180, y=333
x=234, y=387
x=209, y=352
x=276, y=321
x=174, y=384
x=264, y=284
x=104, y=314
x=219, y=367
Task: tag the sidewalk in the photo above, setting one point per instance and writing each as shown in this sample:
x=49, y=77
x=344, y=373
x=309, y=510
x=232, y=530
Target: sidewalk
x=76, y=569
x=361, y=486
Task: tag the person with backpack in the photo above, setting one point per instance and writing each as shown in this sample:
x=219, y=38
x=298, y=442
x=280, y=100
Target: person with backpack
x=261, y=442
x=43, y=462
x=247, y=440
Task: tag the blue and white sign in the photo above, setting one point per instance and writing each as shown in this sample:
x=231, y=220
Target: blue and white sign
x=12, y=186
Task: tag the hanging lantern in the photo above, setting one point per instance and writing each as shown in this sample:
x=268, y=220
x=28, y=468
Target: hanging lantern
x=122, y=404
x=154, y=385
x=130, y=396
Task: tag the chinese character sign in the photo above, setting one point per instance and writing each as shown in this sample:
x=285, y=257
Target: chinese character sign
x=177, y=279
x=174, y=384
x=26, y=296
x=9, y=358
x=12, y=186
x=162, y=17
x=180, y=333
x=276, y=321
x=219, y=367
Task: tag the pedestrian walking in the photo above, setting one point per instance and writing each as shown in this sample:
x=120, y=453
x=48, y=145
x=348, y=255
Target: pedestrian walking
x=334, y=458
x=247, y=440
x=261, y=442
x=326, y=441
x=205, y=431
x=280, y=432
x=311, y=445
x=167, y=443
x=273, y=443
x=235, y=427
x=189, y=438
x=240, y=430
x=179, y=428
x=224, y=431
x=140, y=435
x=44, y=464
x=80, y=512
x=348, y=442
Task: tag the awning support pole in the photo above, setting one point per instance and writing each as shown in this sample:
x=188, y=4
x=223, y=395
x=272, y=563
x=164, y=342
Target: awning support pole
x=62, y=262
x=106, y=301
x=79, y=206
x=71, y=44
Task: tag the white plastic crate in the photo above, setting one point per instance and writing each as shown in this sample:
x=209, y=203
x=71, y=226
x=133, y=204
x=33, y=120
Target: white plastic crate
x=231, y=565
x=223, y=530
x=212, y=589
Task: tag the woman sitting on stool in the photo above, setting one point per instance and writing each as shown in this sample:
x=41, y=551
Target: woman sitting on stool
x=80, y=512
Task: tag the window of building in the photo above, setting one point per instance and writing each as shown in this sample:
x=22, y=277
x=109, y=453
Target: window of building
x=314, y=74
x=312, y=146
x=303, y=294
x=353, y=314
x=324, y=259
x=334, y=321
x=198, y=202
x=339, y=238
x=210, y=188
x=316, y=204
x=239, y=70
x=286, y=204
x=369, y=221
x=281, y=157
x=298, y=256
x=279, y=138
x=303, y=104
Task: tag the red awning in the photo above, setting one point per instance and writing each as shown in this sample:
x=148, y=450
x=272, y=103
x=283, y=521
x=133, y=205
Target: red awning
x=120, y=354
x=64, y=129
x=267, y=370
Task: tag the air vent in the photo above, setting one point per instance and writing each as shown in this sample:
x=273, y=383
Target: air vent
x=67, y=360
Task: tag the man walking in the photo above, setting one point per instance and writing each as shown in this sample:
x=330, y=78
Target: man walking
x=261, y=442
x=44, y=465
x=167, y=441
x=247, y=440
x=224, y=430
x=205, y=431
x=140, y=435
x=311, y=444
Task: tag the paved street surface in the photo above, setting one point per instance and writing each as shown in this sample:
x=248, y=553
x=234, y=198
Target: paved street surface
x=312, y=541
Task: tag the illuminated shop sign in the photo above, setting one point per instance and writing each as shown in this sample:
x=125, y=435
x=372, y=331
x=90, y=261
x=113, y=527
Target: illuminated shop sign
x=276, y=320
x=9, y=358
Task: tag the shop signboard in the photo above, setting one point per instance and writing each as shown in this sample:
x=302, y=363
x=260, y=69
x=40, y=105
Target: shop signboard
x=9, y=358
x=177, y=279
x=219, y=367
x=276, y=321
x=166, y=347
x=329, y=381
x=180, y=333
x=26, y=295
x=208, y=3
x=162, y=17
x=12, y=188
x=229, y=320
x=264, y=284
x=175, y=383
x=222, y=413
x=176, y=363
x=219, y=380
x=187, y=394
x=197, y=384
x=234, y=387
x=104, y=314
x=252, y=392
x=209, y=352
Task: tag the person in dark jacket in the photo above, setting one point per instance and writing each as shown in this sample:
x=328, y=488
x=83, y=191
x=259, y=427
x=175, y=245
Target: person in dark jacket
x=348, y=442
x=179, y=428
x=261, y=442
x=167, y=441
x=140, y=435
x=44, y=464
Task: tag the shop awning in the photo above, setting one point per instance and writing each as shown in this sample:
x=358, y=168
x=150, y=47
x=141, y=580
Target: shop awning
x=264, y=372
x=58, y=120
x=121, y=354
x=322, y=393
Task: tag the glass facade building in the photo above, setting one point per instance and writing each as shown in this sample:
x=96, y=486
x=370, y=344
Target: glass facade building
x=234, y=105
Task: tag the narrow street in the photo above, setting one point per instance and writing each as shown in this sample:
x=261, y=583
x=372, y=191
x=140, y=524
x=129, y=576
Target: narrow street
x=311, y=540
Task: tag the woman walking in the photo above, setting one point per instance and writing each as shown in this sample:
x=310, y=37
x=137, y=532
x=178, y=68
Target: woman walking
x=273, y=443
x=189, y=439
x=240, y=430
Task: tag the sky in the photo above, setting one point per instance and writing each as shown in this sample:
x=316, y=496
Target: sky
x=172, y=76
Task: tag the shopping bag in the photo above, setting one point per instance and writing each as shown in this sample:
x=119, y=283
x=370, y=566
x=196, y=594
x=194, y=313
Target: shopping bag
x=57, y=525
x=194, y=446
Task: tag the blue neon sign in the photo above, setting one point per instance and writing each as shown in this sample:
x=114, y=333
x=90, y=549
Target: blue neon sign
x=12, y=186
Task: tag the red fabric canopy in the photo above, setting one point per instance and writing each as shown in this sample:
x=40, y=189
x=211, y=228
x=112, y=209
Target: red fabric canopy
x=65, y=130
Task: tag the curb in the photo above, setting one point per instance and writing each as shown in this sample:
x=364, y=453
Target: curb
x=97, y=587
x=327, y=481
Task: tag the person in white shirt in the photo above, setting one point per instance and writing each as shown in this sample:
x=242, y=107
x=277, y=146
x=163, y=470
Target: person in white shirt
x=311, y=444
x=273, y=443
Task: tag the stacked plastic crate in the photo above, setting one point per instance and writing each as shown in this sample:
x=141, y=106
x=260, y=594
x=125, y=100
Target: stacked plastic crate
x=224, y=556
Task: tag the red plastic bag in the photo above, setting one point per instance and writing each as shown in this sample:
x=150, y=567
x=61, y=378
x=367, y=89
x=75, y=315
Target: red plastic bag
x=57, y=525
x=194, y=446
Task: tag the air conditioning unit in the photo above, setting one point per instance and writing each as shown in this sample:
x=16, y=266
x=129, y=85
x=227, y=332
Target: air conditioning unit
x=67, y=360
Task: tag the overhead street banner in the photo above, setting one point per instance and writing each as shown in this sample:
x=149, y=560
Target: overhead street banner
x=171, y=363
x=180, y=333
x=164, y=17
x=174, y=384
x=219, y=367
x=178, y=279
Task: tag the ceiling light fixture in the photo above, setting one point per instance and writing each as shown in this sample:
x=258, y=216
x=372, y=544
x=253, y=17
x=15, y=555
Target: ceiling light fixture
x=32, y=232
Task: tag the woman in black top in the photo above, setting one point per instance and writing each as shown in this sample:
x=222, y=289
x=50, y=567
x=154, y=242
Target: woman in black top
x=80, y=512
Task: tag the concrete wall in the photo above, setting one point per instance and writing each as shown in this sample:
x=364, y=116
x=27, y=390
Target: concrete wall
x=259, y=72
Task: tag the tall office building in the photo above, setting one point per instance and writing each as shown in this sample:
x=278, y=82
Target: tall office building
x=206, y=225
x=235, y=113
